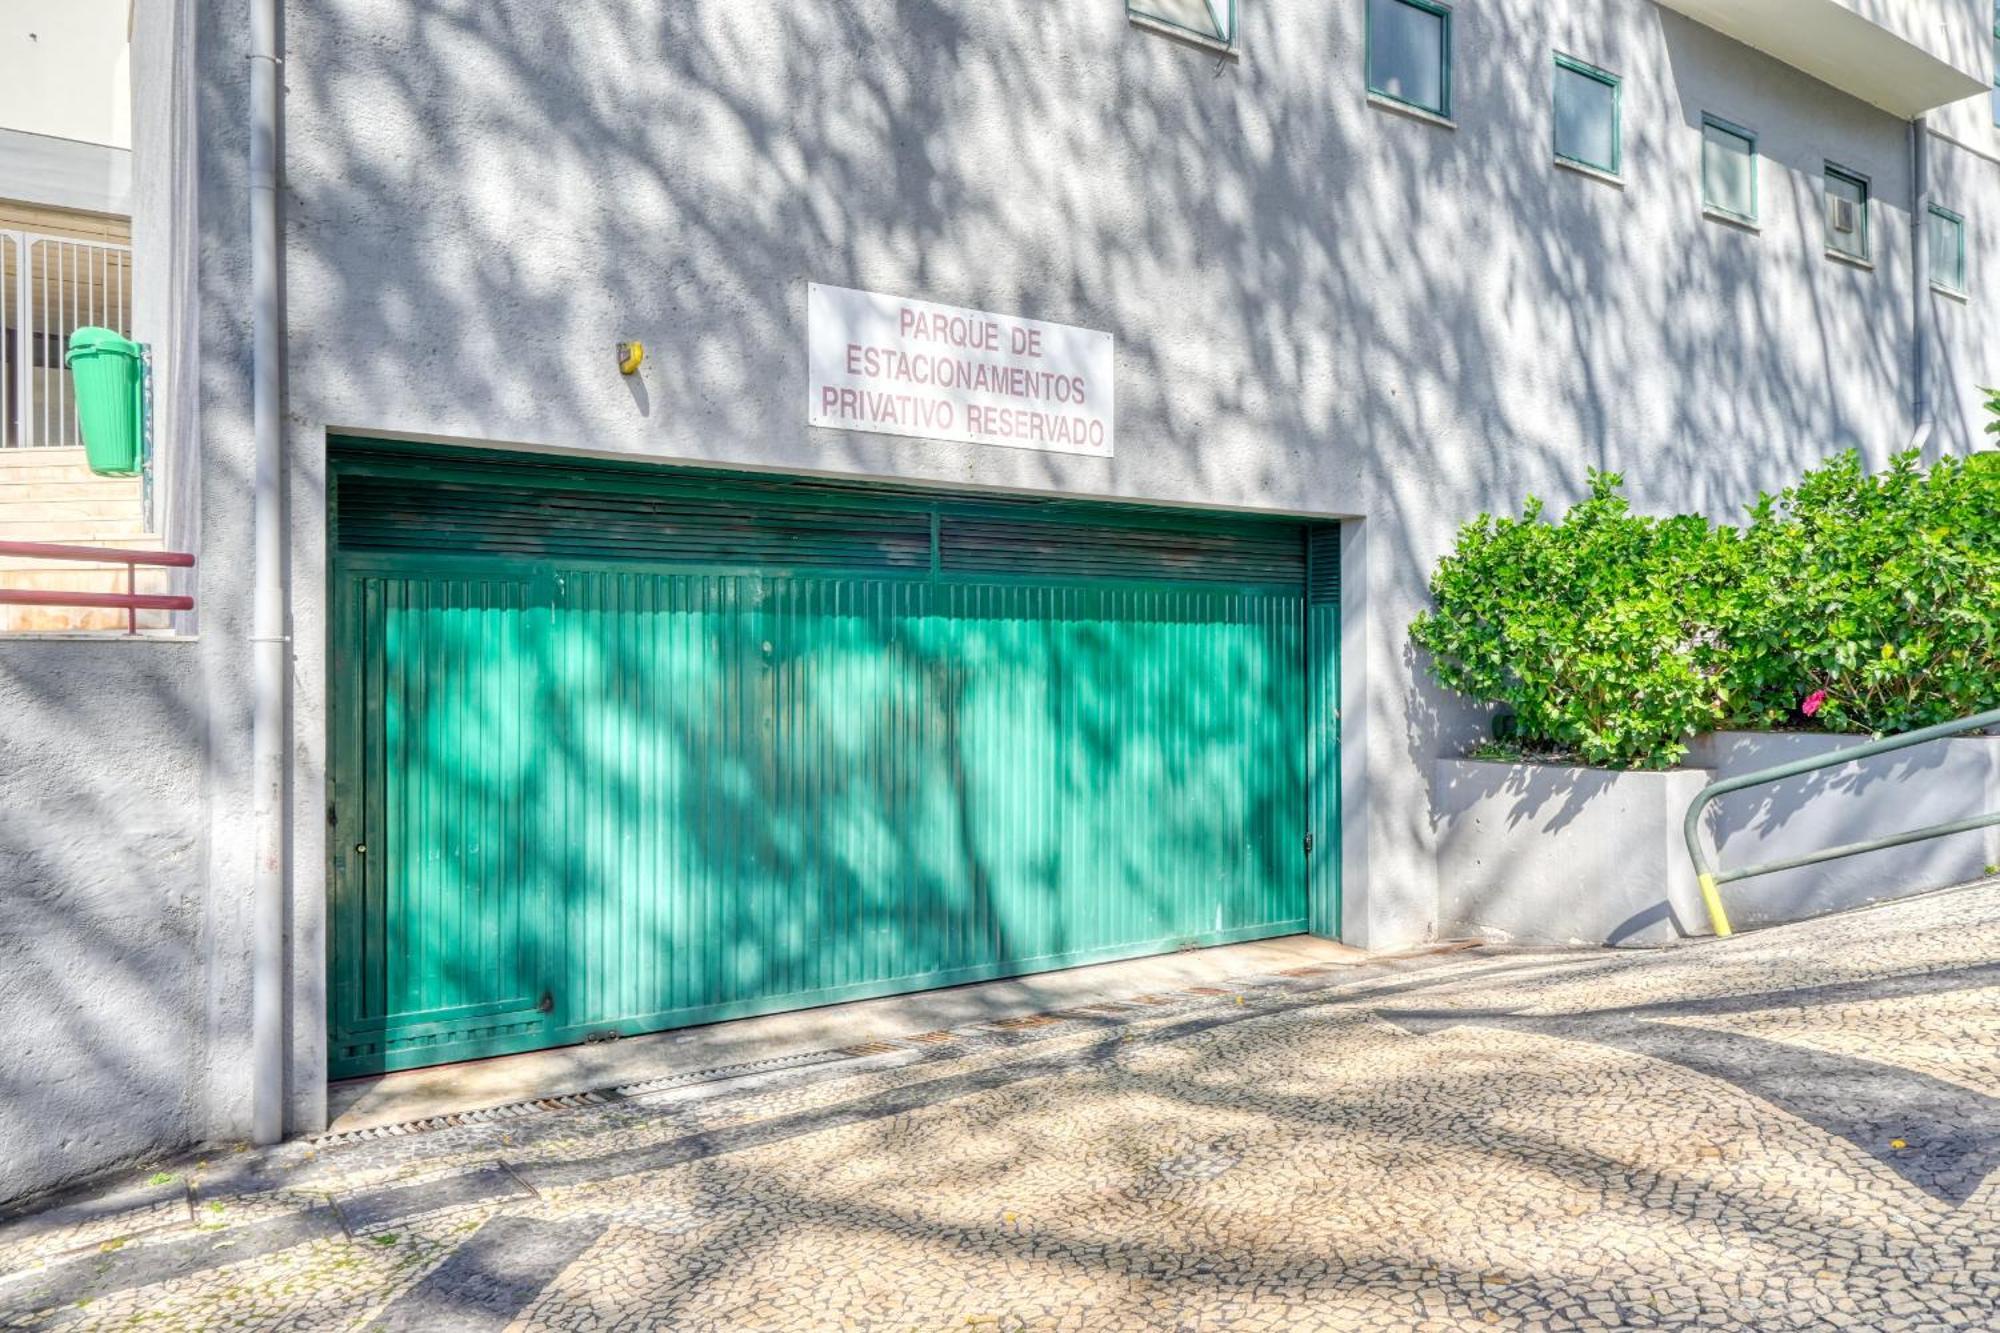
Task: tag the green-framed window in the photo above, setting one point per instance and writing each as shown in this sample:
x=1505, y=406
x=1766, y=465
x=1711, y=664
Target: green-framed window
x=1587, y=115
x=1947, y=246
x=1846, y=206
x=1210, y=20
x=1409, y=53
x=1728, y=169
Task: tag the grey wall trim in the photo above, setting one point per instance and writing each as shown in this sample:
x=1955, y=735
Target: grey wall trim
x=63, y=173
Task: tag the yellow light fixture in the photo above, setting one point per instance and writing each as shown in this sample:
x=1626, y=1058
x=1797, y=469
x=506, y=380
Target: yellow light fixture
x=629, y=356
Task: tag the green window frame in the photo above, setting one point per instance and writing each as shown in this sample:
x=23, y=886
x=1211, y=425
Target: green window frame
x=1211, y=21
x=1716, y=125
x=1582, y=69
x=1861, y=249
x=1947, y=261
x=1440, y=12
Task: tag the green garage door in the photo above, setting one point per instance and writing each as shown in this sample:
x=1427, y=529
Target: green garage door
x=618, y=749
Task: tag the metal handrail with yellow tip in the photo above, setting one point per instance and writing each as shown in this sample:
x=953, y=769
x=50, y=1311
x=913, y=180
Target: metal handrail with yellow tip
x=1711, y=880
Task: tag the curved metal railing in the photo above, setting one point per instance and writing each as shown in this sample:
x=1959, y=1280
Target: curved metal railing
x=1712, y=879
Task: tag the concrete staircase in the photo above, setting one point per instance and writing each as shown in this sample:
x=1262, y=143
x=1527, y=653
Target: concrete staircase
x=51, y=495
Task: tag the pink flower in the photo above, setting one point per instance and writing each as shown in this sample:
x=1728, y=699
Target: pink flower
x=1814, y=702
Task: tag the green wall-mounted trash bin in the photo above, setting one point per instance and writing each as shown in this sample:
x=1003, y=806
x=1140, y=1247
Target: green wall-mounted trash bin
x=110, y=376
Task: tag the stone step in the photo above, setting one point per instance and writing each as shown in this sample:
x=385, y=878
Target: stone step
x=15, y=462
x=83, y=578
x=60, y=475
x=17, y=510
x=10, y=565
x=75, y=620
x=51, y=495
x=81, y=532
x=13, y=455
x=126, y=489
x=144, y=542
x=47, y=577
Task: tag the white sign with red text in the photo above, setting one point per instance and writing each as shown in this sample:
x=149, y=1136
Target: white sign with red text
x=896, y=367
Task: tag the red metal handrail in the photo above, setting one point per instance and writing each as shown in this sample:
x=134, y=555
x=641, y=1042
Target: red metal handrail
x=131, y=601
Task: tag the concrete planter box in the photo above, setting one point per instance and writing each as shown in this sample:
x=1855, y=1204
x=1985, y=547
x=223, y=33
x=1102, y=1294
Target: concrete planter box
x=1927, y=784
x=1547, y=854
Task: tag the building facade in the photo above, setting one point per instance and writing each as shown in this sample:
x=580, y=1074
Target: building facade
x=1365, y=269
x=65, y=263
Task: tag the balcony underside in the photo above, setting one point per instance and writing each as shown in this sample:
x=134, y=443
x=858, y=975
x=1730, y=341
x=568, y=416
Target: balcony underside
x=1858, y=55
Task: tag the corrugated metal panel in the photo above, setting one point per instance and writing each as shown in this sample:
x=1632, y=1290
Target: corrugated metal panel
x=1323, y=726
x=661, y=796
x=442, y=887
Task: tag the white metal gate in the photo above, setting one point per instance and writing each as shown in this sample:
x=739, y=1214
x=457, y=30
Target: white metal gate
x=53, y=286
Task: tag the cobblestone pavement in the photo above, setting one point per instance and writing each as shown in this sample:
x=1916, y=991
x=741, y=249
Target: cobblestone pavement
x=1795, y=1129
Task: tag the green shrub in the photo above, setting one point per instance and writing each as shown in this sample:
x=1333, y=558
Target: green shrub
x=1592, y=631
x=1851, y=602
x=1883, y=591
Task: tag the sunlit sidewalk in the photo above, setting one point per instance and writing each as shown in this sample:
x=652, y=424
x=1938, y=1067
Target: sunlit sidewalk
x=1796, y=1128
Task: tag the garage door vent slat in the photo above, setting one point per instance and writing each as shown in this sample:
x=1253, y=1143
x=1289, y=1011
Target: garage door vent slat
x=383, y=515
x=1229, y=553
x=1323, y=566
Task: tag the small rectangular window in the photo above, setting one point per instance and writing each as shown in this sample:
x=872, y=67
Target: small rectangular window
x=1409, y=53
x=1728, y=169
x=1947, y=241
x=1587, y=129
x=1846, y=213
x=1210, y=20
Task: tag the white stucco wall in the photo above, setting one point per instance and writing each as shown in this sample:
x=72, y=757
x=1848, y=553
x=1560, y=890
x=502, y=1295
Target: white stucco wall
x=67, y=69
x=104, y=883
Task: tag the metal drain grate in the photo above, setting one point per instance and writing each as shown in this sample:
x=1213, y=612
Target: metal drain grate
x=971, y=1038
x=724, y=1073
x=581, y=1100
x=575, y=1101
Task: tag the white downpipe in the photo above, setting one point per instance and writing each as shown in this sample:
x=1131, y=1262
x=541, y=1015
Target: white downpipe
x=1920, y=284
x=269, y=644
